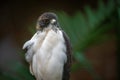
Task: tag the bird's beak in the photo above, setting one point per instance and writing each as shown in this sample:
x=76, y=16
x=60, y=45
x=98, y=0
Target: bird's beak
x=53, y=22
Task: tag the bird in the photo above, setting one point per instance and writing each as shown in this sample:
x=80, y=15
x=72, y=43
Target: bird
x=49, y=51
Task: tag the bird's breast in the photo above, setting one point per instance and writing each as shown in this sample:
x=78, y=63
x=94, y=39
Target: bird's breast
x=50, y=57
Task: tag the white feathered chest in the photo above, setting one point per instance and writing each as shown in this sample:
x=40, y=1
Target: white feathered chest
x=47, y=55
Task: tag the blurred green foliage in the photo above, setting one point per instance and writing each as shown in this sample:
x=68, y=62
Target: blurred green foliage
x=84, y=30
x=17, y=72
x=88, y=29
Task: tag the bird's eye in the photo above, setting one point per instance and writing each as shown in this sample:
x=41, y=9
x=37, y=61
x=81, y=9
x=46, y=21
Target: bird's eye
x=44, y=23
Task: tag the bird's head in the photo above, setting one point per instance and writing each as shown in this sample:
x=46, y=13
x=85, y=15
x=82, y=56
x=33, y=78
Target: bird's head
x=47, y=20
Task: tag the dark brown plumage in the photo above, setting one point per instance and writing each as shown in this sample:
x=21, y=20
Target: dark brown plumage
x=67, y=65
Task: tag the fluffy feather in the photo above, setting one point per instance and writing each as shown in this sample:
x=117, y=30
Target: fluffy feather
x=49, y=55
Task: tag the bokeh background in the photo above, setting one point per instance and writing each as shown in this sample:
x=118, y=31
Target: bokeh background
x=92, y=25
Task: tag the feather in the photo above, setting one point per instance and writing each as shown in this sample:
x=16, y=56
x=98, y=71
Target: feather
x=67, y=65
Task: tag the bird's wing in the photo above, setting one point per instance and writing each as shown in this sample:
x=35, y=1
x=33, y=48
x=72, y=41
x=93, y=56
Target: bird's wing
x=67, y=65
x=30, y=42
x=28, y=47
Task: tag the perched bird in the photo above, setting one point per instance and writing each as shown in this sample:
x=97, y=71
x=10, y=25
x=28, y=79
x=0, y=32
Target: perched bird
x=49, y=50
